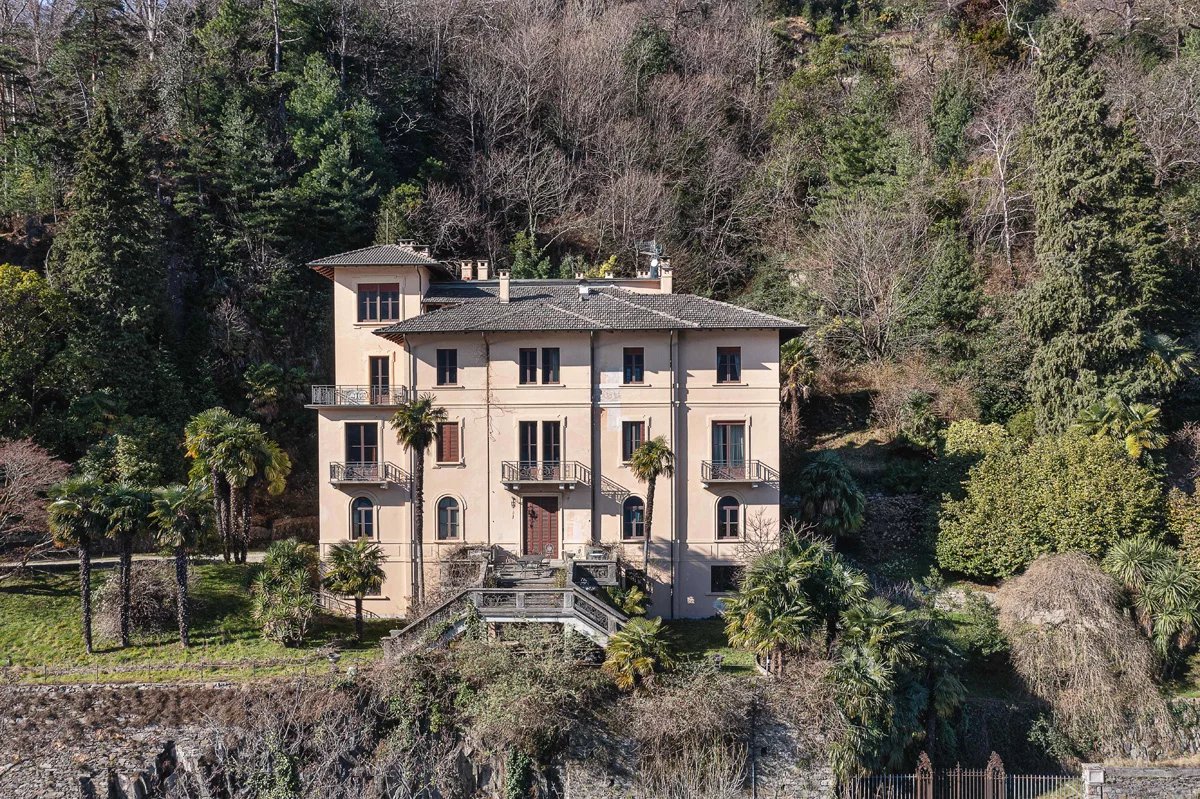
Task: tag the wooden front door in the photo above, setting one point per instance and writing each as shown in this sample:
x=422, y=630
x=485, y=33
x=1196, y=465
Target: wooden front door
x=541, y=526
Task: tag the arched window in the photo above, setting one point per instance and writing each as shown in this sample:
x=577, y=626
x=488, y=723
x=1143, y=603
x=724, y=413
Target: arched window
x=448, y=518
x=362, y=518
x=729, y=518
x=633, y=518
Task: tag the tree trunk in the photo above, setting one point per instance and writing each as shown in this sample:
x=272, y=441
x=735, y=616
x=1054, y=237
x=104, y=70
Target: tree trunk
x=649, y=519
x=358, y=618
x=244, y=521
x=126, y=586
x=85, y=591
x=182, y=610
x=418, y=591
x=221, y=510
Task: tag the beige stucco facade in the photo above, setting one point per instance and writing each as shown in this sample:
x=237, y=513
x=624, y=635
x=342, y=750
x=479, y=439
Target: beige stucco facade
x=679, y=398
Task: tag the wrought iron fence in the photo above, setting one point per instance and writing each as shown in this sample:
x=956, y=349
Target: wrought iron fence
x=990, y=782
x=737, y=472
x=359, y=395
x=544, y=472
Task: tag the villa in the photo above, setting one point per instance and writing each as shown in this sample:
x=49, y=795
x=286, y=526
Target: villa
x=548, y=387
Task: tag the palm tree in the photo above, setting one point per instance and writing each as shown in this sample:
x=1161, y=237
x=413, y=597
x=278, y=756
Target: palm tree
x=249, y=459
x=796, y=373
x=416, y=425
x=201, y=437
x=76, y=518
x=651, y=460
x=637, y=651
x=788, y=597
x=1164, y=588
x=181, y=515
x=234, y=456
x=1136, y=425
x=355, y=568
x=128, y=508
x=1170, y=359
x=834, y=502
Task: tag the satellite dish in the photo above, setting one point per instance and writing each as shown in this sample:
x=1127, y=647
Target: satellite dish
x=654, y=262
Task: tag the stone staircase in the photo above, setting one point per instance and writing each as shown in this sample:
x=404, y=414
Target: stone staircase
x=572, y=607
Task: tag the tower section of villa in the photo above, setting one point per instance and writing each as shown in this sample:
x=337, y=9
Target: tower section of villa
x=547, y=387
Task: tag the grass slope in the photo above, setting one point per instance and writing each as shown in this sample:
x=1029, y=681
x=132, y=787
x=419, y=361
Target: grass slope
x=41, y=635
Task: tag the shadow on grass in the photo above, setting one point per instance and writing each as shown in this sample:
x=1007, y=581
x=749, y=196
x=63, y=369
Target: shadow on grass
x=704, y=639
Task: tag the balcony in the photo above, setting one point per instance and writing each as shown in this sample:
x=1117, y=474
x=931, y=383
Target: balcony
x=380, y=474
x=565, y=474
x=380, y=396
x=751, y=473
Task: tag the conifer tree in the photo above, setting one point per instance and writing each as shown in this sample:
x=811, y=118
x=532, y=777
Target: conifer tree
x=108, y=262
x=1086, y=315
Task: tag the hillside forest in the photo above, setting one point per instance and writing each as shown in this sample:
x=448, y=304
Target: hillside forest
x=986, y=212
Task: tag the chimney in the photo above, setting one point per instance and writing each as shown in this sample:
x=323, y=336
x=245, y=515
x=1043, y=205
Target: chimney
x=585, y=290
x=466, y=270
x=481, y=270
x=503, y=275
x=666, y=285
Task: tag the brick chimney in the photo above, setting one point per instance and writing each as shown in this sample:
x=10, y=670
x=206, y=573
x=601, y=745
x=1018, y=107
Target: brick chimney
x=481, y=269
x=504, y=295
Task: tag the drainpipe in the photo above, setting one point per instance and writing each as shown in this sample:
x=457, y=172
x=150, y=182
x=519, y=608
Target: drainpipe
x=412, y=467
x=594, y=391
x=673, y=350
x=487, y=415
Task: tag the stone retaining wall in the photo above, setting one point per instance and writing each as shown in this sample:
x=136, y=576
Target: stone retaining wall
x=124, y=742
x=1140, y=782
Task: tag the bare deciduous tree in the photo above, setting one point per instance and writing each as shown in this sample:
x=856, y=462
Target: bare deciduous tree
x=1164, y=105
x=1002, y=204
x=867, y=264
x=26, y=472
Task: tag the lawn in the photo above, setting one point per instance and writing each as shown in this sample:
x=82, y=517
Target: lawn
x=704, y=638
x=41, y=635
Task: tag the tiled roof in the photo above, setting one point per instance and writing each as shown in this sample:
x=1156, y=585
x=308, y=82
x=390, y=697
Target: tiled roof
x=557, y=305
x=377, y=255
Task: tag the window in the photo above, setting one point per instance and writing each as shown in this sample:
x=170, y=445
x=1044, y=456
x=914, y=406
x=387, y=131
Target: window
x=381, y=379
x=378, y=302
x=729, y=449
x=528, y=443
x=448, y=448
x=362, y=442
x=550, y=365
x=362, y=518
x=633, y=518
x=729, y=518
x=448, y=519
x=447, y=367
x=635, y=365
x=724, y=579
x=632, y=436
x=729, y=364
x=528, y=364
x=551, y=443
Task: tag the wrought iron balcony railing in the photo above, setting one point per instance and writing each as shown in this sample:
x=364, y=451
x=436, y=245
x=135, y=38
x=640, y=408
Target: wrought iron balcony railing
x=737, y=472
x=360, y=395
x=381, y=473
x=514, y=473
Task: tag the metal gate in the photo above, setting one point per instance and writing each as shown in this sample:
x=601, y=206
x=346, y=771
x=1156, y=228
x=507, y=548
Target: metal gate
x=990, y=782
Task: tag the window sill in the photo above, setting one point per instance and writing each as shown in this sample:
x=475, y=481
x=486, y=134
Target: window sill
x=449, y=464
x=448, y=386
x=724, y=385
x=383, y=323
x=539, y=385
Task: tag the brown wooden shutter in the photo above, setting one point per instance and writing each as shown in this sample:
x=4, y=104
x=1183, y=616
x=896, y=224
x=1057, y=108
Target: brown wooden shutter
x=448, y=442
